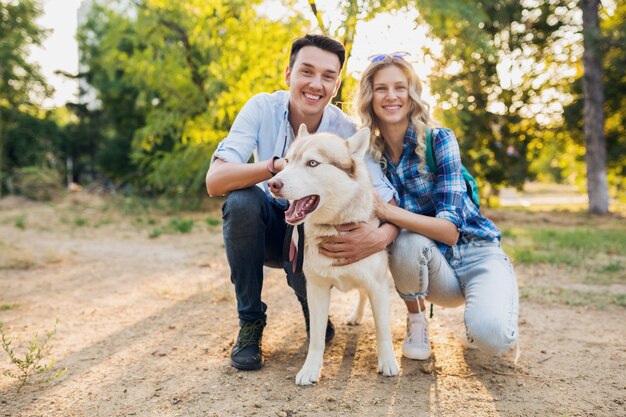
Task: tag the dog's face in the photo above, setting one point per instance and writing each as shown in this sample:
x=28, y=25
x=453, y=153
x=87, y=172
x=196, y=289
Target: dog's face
x=323, y=174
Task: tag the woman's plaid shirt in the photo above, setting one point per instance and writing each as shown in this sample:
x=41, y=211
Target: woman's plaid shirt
x=443, y=195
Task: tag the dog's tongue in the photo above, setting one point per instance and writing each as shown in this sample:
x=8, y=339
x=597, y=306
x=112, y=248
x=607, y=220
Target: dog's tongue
x=298, y=209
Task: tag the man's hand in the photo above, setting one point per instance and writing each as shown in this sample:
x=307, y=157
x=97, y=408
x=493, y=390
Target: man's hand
x=356, y=241
x=280, y=164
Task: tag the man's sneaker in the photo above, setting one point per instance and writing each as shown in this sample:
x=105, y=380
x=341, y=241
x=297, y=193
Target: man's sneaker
x=416, y=344
x=247, y=354
x=330, y=328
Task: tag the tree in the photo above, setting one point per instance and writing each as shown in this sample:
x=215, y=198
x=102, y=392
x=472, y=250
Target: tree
x=352, y=11
x=501, y=120
x=614, y=26
x=496, y=119
x=613, y=66
x=193, y=65
x=112, y=108
x=593, y=89
x=21, y=82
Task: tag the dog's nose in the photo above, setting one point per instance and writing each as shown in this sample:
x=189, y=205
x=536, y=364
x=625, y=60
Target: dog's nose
x=275, y=185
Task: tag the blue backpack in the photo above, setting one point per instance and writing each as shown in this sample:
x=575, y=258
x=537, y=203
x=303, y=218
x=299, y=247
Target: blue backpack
x=470, y=181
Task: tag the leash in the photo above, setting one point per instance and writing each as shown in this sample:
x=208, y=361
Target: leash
x=292, y=254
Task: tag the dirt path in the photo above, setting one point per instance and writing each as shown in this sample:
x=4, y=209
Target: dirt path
x=146, y=326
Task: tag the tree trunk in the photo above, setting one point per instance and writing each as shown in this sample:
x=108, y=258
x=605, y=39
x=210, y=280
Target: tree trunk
x=352, y=11
x=593, y=116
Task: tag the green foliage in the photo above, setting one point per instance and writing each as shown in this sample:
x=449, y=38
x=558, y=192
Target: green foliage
x=11, y=306
x=104, y=40
x=613, y=29
x=20, y=84
x=182, y=71
x=38, y=183
x=29, y=140
x=31, y=369
x=499, y=119
x=18, y=77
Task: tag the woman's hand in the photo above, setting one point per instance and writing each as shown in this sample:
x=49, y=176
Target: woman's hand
x=381, y=208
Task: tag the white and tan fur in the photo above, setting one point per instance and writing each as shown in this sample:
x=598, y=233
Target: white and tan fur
x=341, y=181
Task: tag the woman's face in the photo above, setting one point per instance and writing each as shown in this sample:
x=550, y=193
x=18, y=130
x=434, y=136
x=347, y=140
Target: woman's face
x=391, y=96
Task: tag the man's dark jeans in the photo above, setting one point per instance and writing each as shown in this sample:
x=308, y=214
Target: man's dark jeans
x=254, y=231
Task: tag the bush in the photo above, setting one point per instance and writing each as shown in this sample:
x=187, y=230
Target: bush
x=38, y=183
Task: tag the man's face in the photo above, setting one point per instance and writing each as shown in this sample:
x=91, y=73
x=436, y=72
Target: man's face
x=313, y=80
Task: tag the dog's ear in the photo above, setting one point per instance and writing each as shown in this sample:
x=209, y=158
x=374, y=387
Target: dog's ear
x=359, y=143
x=302, y=131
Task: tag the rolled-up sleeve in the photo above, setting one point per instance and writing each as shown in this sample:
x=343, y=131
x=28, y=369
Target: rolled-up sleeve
x=243, y=136
x=379, y=180
x=450, y=185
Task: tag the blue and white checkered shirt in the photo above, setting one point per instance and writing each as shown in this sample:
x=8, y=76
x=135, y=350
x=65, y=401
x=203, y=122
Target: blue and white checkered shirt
x=443, y=195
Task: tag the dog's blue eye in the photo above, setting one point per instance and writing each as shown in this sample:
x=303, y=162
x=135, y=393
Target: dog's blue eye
x=312, y=163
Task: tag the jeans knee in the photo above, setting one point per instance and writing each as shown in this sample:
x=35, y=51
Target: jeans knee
x=243, y=211
x=408, y=262
x=243, y=202
x=409, y=250
x=492, y=336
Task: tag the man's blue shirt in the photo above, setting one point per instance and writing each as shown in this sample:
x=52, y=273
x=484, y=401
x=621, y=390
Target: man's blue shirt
x=262, y=128
x=443, y=195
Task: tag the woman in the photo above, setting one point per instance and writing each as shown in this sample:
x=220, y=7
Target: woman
x=447, y=251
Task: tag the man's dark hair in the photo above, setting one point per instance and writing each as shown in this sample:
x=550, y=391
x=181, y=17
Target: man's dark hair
x=319, y=41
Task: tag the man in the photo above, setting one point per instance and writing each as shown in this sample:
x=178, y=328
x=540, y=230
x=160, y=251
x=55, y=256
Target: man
x=253, y=221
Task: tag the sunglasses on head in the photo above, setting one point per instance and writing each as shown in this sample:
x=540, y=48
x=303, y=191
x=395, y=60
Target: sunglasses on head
x=380, y=57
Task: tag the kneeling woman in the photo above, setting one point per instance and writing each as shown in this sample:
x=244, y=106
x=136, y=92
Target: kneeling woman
x=447, y=251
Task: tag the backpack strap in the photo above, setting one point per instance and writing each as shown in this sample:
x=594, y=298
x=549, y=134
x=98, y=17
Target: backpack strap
x=470, y=181
x=430, y=152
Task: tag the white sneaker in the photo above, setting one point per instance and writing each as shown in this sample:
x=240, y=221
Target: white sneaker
x=416, y=344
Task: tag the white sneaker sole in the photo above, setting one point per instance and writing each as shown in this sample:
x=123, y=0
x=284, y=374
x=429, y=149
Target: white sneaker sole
x=418, y=356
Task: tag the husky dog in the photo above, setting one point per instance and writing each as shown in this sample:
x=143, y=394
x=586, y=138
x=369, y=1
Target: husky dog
x=327, y=182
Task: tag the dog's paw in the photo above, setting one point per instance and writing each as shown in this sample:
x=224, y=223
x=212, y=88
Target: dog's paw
x=354, y=319
x=308, y=376
x=388, y=367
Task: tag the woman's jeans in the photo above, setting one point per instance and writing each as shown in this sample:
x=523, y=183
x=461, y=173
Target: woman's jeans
x=476, y=272
x=254, y=231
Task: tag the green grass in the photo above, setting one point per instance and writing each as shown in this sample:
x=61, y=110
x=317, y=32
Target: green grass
x=20, y=222
x=592, y=255
x=612, y=267
x=133, y=204
x=11, y=306
x=181, y=225
x=80, y=221
x=103, y=222
x=213, y=221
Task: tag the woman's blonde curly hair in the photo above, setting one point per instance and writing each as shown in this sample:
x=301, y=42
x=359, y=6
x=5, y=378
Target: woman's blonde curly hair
x=418, y=112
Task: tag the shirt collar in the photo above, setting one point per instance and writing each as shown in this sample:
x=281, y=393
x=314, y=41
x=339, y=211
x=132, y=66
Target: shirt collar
x=410, y=136
x=409, y=141
x=325, y=122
